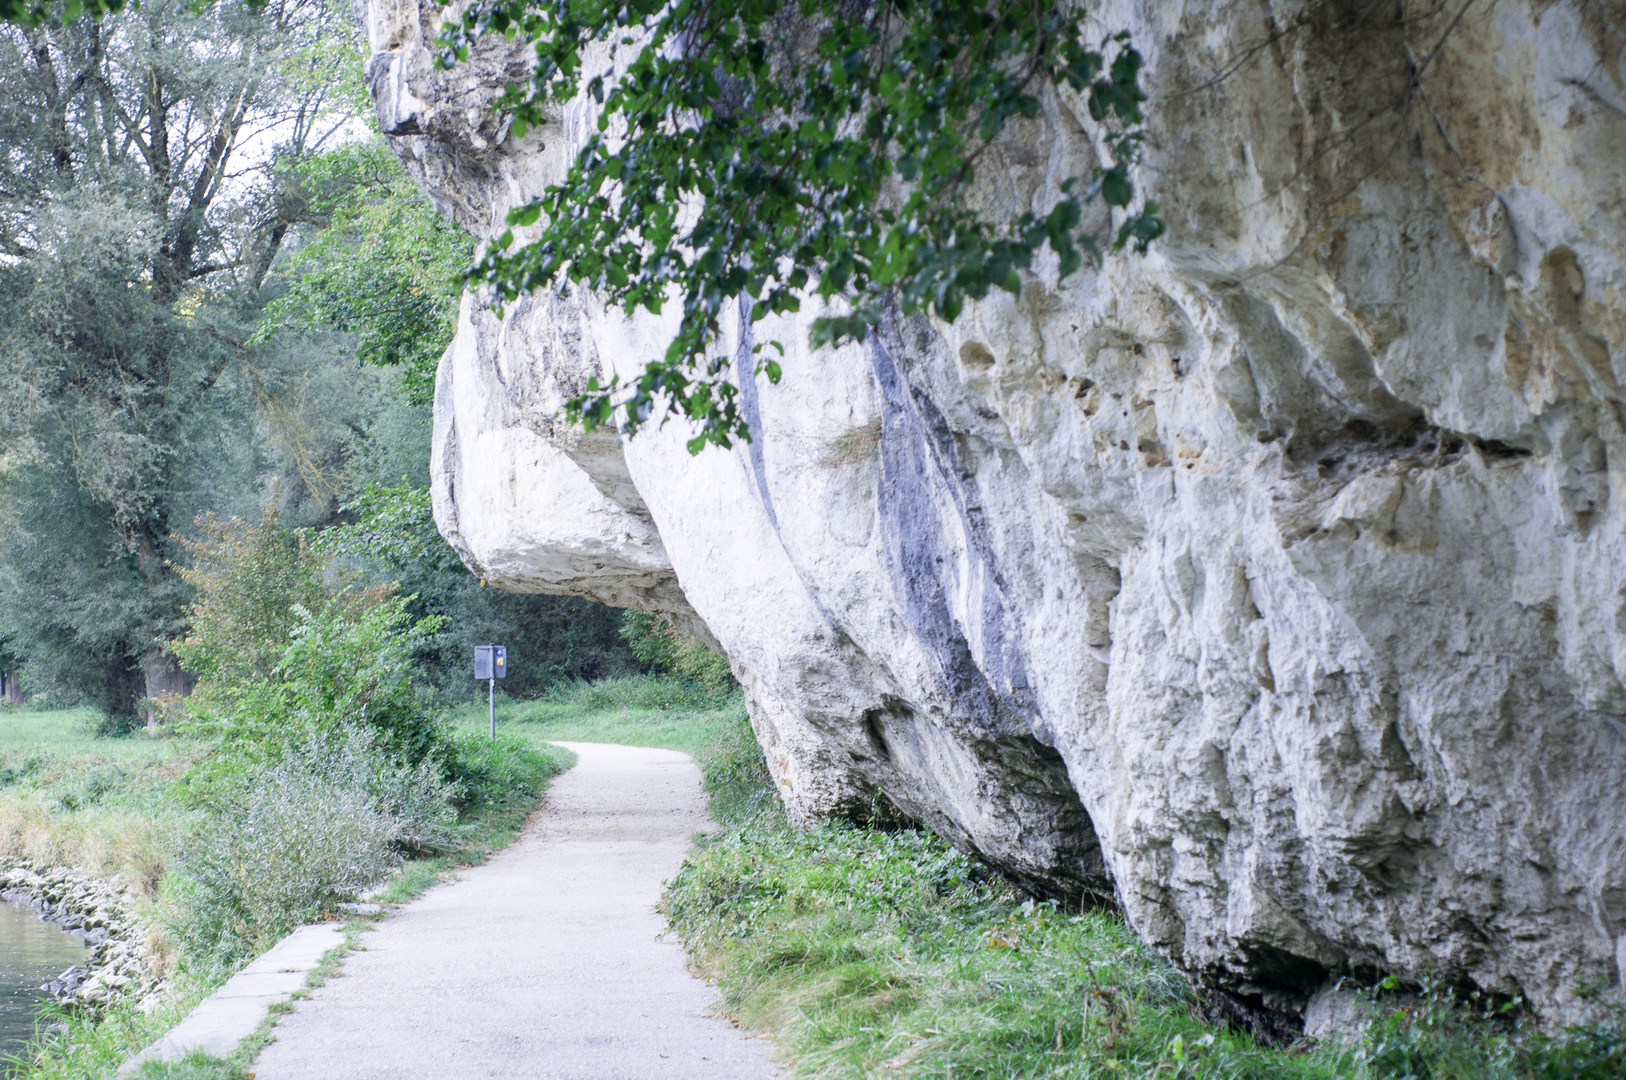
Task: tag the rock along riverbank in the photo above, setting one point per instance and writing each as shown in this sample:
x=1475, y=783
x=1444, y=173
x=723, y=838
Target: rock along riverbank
x=125, y=962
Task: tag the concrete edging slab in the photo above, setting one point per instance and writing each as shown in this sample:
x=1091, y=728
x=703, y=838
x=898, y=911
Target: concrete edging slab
x=231, y=1014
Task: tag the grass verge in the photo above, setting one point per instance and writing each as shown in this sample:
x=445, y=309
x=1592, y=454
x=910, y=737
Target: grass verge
x=868, y=953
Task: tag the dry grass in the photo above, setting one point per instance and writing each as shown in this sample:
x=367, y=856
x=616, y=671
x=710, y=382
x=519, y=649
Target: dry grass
x=854, y=446
x=116, y=842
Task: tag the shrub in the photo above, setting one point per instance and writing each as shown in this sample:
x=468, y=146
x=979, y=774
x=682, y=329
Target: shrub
x=656, y=642
x=250, y=581
x=296, y=836
x=1437, y=1035
x=282, y=657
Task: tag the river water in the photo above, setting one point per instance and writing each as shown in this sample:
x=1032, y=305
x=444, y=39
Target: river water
x=32, y=951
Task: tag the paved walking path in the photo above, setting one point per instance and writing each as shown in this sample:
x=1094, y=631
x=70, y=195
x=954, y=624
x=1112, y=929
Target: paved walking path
x=545, y=962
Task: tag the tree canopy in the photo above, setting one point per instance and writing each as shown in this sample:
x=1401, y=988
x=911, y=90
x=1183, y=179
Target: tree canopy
x=142, y=203
x=385, y=266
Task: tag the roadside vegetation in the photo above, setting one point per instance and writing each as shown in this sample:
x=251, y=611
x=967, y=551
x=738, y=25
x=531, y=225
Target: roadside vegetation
x=868, y=953
x=239, y=831
x=224, y=878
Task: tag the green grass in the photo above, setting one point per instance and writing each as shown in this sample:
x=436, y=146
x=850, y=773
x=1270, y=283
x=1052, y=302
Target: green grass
x=869, y=953
x=71, y=732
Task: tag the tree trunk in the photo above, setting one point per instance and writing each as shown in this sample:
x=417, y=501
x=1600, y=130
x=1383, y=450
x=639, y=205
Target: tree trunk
x=12, y=691
x=124, y=685
x=166, y=683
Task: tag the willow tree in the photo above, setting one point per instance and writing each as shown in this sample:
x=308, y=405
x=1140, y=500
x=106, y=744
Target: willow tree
x=144, y=195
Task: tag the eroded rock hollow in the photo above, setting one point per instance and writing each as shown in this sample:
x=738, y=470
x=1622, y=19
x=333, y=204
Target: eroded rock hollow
x=1273, y=583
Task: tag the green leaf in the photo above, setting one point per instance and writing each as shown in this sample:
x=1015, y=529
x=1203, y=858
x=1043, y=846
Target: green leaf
x=1115, y=186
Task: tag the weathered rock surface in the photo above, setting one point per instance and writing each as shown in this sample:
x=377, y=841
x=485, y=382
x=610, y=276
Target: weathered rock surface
x=1275, y=582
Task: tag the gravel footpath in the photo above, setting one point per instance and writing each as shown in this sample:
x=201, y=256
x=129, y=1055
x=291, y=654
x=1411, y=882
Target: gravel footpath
x=545, y=961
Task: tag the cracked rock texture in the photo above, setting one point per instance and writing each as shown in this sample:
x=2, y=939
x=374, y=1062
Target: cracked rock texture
x=1274, y=583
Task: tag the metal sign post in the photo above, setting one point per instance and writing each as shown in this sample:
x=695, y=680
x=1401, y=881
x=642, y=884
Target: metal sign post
x=491, y=664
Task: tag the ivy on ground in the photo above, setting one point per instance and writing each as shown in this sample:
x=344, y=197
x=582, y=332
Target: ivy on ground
x=759, y=149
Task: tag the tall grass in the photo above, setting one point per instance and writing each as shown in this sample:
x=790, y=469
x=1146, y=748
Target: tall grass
x=644, y=694
x=69, y=798
x=888, y=954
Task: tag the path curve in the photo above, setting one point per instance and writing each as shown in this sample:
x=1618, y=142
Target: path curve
x=544, y=962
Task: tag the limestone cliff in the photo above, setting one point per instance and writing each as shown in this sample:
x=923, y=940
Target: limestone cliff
x=1274, y=583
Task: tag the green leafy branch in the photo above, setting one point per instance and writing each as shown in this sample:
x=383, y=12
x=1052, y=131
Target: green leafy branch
x=752, y=148
x=384, y=266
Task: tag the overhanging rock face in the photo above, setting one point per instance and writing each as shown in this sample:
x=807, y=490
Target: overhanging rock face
x=1274, y=582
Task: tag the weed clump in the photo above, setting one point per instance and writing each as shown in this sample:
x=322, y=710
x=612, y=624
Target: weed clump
x=496, y=773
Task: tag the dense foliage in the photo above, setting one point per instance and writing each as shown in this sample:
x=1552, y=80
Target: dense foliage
x=324, y=761
x=252, y=582
x=295, y=837
x=661, y=646
x=755, y=150
x=384, y=265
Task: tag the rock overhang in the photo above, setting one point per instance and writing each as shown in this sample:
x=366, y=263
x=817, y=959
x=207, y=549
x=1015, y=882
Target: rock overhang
x=1273, y=581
